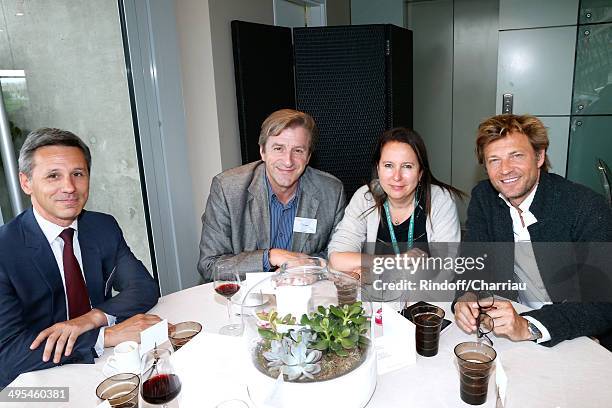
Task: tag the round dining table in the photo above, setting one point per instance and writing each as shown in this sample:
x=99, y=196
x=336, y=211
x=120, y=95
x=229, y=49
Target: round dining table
x=574, y=373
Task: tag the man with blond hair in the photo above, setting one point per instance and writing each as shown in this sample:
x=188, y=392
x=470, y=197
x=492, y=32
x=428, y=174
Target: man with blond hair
x=551, y=237
x=264, y=213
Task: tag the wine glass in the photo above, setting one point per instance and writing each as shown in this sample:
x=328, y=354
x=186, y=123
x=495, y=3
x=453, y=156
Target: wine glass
x=227, y=284
x=159, y=382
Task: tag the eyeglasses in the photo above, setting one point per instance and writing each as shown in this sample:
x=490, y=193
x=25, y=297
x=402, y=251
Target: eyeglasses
x=485, y=323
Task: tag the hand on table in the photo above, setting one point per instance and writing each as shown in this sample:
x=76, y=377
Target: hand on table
x=508, y=322
x=416, y=253
x=129, y=329
x=278, y=256
x=60, y=337
x=355, y=273
x=466, y=312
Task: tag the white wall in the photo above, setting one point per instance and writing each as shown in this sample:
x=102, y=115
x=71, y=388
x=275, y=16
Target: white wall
x=195, y=43
x=209, y=89
x=222, y=12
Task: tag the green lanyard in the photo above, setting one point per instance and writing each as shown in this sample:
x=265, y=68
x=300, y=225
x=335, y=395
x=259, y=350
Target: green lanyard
x=410, y=228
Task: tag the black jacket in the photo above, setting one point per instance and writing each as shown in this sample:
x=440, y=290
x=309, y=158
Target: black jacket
x=566, y=213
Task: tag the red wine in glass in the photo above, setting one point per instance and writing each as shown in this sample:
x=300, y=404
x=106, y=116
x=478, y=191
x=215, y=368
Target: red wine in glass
x=161, y=389
x=227, y=283
x=227, y=290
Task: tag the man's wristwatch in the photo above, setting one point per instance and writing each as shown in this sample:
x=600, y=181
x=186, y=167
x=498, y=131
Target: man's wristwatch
x=535, y=333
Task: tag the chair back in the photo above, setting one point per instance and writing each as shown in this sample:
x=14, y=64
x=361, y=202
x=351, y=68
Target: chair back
x=606, y=179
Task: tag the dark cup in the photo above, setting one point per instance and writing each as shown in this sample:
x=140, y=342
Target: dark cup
x=475, y=361
x=428, y=321
x=346, y=287
x=121, y=390
x=183, y=332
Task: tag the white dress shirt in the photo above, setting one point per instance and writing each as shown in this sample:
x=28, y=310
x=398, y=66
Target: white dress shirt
x=525, y=266
x=52, y=232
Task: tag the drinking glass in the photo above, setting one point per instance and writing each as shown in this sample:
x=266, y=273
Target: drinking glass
x=428, y=322
x=475, y=362
x=160, y=384
x=183, y=333
x=120, y=390
x=227, y=284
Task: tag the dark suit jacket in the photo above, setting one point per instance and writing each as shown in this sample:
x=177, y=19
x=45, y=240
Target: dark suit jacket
x=236, y=222
x=566, y=212
x=32, y=296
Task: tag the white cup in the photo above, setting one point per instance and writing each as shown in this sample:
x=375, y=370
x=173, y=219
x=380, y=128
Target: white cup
x=126, y=358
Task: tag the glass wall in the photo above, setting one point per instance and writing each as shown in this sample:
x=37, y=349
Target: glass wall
x=74, y=77
x=15, y=99
x=591, y=124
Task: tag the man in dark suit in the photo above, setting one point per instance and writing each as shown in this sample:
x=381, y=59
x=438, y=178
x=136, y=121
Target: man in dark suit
x=538, y=214
x=264, y=213
x=59, y=264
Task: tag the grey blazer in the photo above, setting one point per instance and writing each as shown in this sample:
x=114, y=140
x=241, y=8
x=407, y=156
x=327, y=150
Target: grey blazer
x=236, y=222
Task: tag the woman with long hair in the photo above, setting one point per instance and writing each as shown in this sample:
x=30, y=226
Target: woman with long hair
x=404, y=204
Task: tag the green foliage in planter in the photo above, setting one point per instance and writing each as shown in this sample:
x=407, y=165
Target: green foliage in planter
x=272, y=319
x=338, y=328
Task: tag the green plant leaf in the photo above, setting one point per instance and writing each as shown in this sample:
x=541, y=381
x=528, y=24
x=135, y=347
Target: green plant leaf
x=346, y=332
x=347, y=343
x=336, y=311
x=364, y=340
x=318, y=328
x=322, y=345
x=335, y=346
x=359, y=320
x=266, y=334
x=356, y=309
x=325, y=323
x=341, y=353
x=321, y=310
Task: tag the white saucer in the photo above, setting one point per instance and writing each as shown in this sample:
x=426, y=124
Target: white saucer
x=109, y=371
x=252, y=300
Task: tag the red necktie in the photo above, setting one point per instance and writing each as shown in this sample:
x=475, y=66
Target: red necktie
x=76, y=291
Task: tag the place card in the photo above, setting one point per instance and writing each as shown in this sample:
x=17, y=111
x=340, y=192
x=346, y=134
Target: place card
x=501, y=380
x=395, y=349
x=294, y=300
x=153, y=336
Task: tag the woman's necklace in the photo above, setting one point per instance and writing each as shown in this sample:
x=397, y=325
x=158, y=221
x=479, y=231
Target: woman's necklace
x=397, y=219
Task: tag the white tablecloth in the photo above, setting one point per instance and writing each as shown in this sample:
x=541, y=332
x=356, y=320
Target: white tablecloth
x=575, y=373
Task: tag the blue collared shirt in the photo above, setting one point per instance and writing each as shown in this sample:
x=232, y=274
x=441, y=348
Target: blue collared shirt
x=281, y=222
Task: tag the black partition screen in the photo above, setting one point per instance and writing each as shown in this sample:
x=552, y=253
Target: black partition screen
x=263, y=64
x=356, y=82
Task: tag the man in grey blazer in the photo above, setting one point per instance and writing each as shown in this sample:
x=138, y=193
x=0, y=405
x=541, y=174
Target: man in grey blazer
x=264, y=213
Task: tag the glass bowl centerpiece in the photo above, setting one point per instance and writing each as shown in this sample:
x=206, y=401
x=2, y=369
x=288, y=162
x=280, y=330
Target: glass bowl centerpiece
x=311, y=339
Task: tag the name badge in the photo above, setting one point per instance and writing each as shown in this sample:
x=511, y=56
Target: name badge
x=305, y=225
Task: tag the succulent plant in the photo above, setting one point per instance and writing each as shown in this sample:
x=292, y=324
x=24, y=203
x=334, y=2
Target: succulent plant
x=338, y=328
x=292, y=357
x=271, y=321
